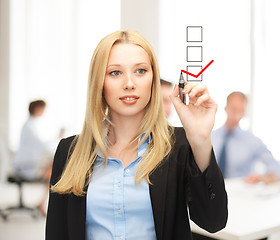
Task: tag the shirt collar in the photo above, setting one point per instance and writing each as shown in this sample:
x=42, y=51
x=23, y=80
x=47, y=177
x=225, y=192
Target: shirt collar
x=141, y=149
x=235, y=131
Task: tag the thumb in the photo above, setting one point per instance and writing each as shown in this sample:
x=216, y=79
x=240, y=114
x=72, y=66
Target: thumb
x=175, y=99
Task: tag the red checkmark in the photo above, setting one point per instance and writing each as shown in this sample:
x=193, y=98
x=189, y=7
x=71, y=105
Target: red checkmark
x=196, y=76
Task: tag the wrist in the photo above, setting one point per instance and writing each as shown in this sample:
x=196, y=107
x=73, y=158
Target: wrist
x=206, y=144
x=202, y=152
x=199, y=140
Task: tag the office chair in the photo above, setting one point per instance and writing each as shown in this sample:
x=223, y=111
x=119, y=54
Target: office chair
x=14, y=179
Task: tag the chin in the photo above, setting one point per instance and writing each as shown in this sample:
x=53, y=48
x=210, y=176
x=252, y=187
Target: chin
x=130, y=113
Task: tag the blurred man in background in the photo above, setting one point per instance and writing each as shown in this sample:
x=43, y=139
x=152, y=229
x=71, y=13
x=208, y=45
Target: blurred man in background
x=238, y=152
x=33, y=160
x=166, y=89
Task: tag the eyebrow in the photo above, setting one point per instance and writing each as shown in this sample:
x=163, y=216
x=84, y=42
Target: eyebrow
x=114, y=65
x=118, y=65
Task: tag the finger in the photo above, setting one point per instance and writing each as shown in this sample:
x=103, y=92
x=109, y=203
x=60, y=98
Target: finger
x=203, y=98
x=188, y=87
x=174, y=96
x=198, y=90
x=175, y=91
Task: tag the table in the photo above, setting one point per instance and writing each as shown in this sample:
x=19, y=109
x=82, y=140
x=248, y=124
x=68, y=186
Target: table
x=254, y=211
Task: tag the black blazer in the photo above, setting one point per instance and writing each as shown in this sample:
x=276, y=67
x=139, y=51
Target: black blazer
x=177, y=184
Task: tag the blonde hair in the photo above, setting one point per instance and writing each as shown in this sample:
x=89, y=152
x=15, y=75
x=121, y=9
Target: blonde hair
x=84, y=148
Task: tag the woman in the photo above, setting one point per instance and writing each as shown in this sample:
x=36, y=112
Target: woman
x=129, y=175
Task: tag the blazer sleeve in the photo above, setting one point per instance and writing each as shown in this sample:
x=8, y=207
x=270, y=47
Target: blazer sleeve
x=56, y=223
x=208, y=201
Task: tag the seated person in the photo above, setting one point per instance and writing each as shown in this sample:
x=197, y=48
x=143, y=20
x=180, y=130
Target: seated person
x=238, y=151
x=33, y=160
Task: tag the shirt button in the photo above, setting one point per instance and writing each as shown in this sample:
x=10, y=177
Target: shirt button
x=119, y=184
x=127, y=170
x=121, y=238
x=119, y=211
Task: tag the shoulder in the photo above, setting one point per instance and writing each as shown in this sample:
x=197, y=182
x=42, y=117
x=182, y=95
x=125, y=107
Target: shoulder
x=65, y=143
x=64, y=146
x=249, y=136
x=60, y=157
x=218, y=132
x=28, y=125
x=254, y=141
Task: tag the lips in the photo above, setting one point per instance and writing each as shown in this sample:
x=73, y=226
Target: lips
x=129, y=99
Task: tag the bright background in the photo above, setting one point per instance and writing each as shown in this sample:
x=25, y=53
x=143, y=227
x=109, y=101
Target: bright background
x=49, y=43
x=46, y=47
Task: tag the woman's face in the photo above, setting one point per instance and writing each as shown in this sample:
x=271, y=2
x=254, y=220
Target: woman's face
x=128, y=80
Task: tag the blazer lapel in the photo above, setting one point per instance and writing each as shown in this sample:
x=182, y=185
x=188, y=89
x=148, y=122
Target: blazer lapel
x=158, y=196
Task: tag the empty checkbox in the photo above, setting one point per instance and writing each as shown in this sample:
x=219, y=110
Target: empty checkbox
x=194, y=34
x=194, y=54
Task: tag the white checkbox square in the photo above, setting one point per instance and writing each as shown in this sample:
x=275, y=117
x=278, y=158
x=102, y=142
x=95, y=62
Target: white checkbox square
x=194, y=54
x=194, y=70
x=194, y=34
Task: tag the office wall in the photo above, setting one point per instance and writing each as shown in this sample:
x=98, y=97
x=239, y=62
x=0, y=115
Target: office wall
x=51, y=47
x=144, y=17
x=267, y=81
x=4, y=85
x=4, y=69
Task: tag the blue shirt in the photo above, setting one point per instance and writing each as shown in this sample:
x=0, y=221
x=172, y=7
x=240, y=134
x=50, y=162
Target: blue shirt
x=243, y=152
x=117, y=208
x=34, y=154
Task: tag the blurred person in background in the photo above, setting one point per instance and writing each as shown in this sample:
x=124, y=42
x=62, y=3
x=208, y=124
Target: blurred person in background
x=239, y=152
x=166, y=89
x=33, y=160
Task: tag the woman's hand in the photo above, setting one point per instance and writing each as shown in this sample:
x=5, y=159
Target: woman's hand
x=199, y=116
x=198, y=119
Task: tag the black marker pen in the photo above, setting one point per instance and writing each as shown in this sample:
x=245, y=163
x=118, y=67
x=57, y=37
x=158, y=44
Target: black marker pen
x=181, y=87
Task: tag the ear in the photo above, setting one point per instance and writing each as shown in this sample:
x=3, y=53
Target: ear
x=225, y=108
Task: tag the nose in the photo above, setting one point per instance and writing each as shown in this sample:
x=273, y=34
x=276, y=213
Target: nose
x=128, y=82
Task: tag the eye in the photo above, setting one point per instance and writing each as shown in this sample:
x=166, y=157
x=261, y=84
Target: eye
x=141, y=71
x=115, y=73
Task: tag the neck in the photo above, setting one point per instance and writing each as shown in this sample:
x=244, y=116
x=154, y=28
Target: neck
x=229, y=126
x=124, y=129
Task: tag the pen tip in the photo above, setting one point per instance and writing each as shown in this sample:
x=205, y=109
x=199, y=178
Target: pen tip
x=181, y=76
